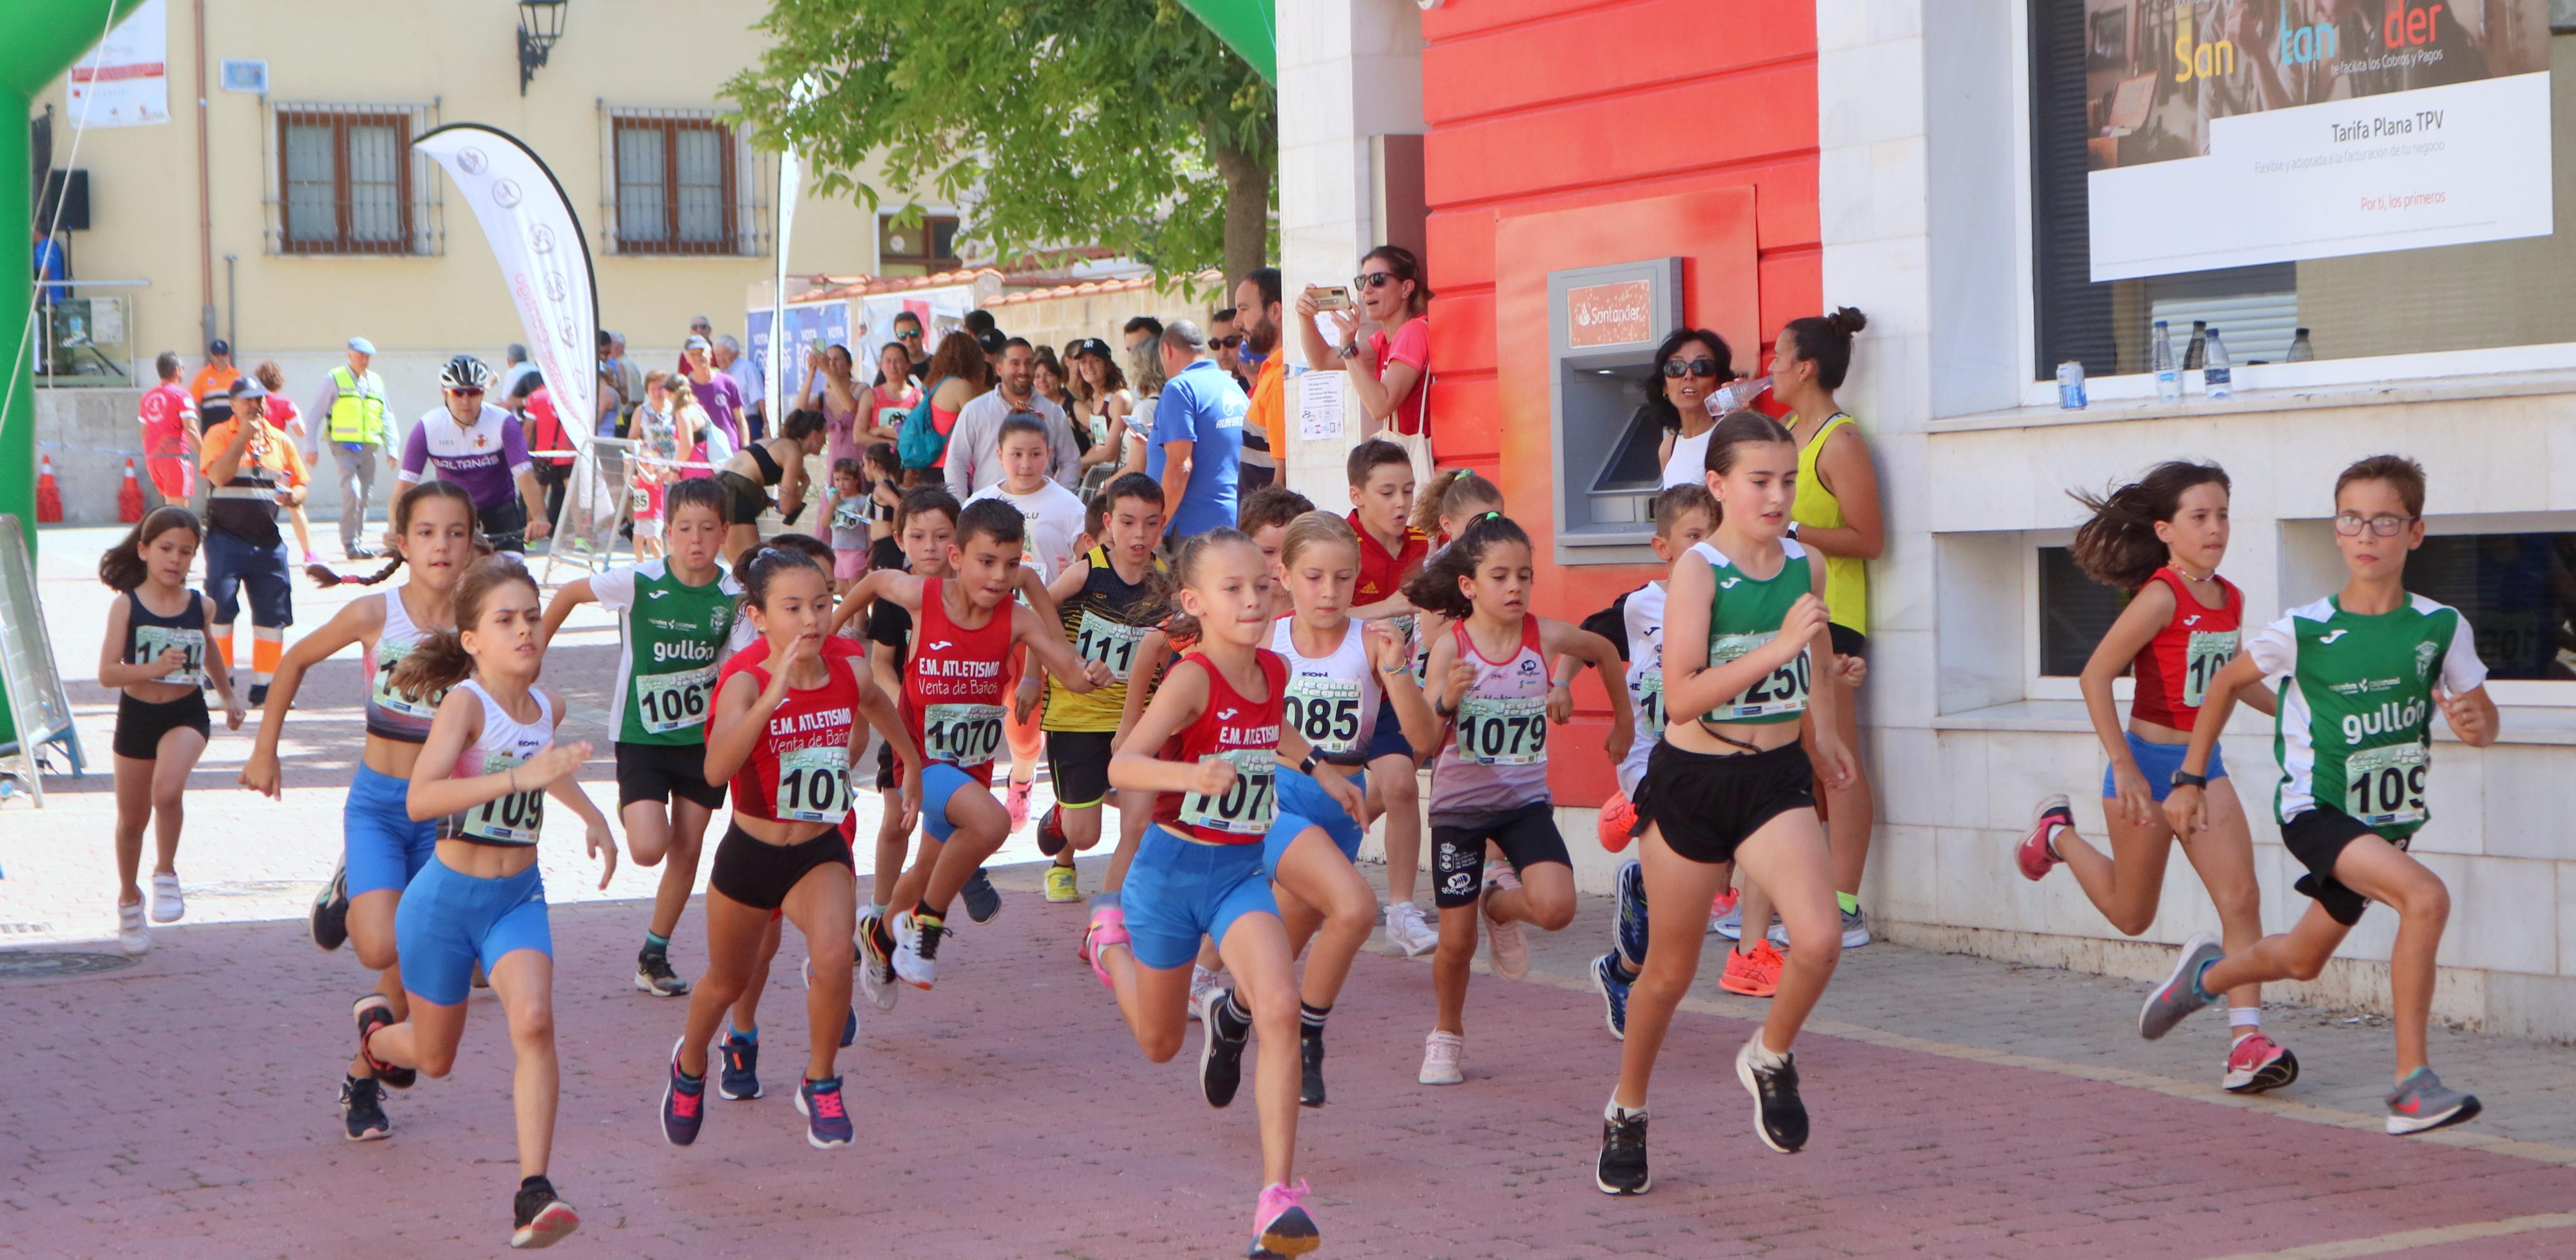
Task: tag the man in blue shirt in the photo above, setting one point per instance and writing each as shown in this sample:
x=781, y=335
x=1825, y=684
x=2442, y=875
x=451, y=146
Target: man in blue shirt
x=1197, y=441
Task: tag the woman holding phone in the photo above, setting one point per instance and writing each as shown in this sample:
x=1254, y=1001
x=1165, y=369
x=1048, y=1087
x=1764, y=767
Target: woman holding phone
x=1390, y=369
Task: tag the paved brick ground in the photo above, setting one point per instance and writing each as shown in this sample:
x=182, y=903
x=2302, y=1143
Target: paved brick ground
x=183, y=1105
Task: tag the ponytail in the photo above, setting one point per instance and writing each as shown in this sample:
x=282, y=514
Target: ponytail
x=439, y=660
x=2119, y=547
x=1435, y=588
x=1453, y=493
x=122, y=568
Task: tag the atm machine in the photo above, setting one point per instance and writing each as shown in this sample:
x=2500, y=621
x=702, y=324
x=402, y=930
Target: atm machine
x=1603, y=326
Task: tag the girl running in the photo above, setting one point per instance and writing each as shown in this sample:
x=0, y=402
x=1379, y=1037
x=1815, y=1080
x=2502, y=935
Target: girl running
x=785, y=727
x=154, y=654
x=2161, y=538
x=928, y=524
x=1337, y=670
x=1209, y=747
x=1745, y=635
x=1490, y=784
x=678, y=618
x=490, y=762
x=383, y=845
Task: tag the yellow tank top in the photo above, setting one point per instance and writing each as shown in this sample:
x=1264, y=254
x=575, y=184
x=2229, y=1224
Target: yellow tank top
x=1846, y=583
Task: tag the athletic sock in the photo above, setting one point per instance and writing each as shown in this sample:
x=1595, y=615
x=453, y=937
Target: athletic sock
x=2243, y=1018
x=1761, y=1055
x=1613, y=1111
x=1311, y=1018
x=1850, y=902
x=921, y=910
x=1232, y=1021
x=876, y=909
x=655, y=944
x=739, y=1035
x=1620, y=969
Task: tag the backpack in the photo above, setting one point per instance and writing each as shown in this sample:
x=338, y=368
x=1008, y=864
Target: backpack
x=919, y=443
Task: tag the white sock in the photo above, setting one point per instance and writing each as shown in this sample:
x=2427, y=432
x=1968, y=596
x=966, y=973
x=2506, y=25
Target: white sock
x=1760, y=1055
x=2244, y=1017
x=1614, y=1111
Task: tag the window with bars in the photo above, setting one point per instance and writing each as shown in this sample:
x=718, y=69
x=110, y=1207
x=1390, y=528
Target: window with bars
x=344, y=180
x=677, y=183
x=917, y=248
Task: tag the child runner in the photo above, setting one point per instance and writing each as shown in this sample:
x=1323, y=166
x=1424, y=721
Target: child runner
x=1490, y=783
x=784, y=728
x=2360, y=674
x=1337, y=671
x=490, y=762
x=384, y=846
x=1456, y=499
x=1745, y=629
x=927, y=524
x=1209, y=747
x=154, y=654
x=677, y=619
x=1053, y=519
x=1110, y=599
x=953, y=703
x=1382, y=491
x=2161, y=539
x=848, y=514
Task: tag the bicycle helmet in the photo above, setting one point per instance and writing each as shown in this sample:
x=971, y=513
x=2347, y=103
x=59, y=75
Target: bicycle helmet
x=465, y=372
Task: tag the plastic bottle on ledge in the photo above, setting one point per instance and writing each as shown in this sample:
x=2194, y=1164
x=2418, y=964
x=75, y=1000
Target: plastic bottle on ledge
x=2160, y=359
x=2193, y=356
x=2300, y=350
x=2216, y=379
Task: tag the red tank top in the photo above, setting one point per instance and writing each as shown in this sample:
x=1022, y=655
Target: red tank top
x=954, y=685
x=2174, y=669
x=799, y=771
x=1243, y=731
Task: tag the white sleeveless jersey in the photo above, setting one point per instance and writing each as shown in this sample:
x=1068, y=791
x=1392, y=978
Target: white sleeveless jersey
x=1332, y=699
x=514, y=818
x=1644, y=614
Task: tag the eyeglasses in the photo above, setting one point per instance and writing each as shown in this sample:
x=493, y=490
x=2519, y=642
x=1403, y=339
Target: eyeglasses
x=1679, y=368
x=1226, y=343
x=1374, y=279
x=2386, y=525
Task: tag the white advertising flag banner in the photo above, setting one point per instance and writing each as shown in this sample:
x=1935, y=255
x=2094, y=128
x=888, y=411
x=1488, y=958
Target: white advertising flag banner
x=125, y=81
x=2240, y=132
x=544, y=258
x=790, y=181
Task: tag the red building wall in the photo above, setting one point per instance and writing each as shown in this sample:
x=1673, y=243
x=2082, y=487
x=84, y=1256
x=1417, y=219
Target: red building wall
x=1666, y=127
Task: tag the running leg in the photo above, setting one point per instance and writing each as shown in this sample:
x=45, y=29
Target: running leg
x=179, y=751
x=1789, y=859
x=524, y=980
x=1325, y=889
x=1255, y=949
x=1393, y=777
x=733, y=943
x=134, y=790
x=1672, y=960
x=824, y=906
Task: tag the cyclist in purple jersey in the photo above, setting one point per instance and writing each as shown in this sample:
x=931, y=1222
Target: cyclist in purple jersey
x=482, y=450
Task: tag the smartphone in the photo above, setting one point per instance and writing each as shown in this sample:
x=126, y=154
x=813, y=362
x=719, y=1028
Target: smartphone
x=1333, y=298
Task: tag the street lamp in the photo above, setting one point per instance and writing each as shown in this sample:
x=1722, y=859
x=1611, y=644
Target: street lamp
x=541, y=23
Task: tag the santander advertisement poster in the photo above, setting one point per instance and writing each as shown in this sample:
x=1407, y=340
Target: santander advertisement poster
x=2227, y=133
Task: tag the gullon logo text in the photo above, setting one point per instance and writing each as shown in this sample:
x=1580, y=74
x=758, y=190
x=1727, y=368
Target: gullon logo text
x=684, y=650
x=2388, y=718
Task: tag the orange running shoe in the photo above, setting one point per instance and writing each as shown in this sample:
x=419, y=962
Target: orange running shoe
x=1618, y=823
x=1754, y=975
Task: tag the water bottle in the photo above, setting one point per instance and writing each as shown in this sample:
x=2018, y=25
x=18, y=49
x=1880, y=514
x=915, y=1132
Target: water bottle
x=2300, y=350
x=2216, y=380
x=2070, y=385
x=2193, y=355
x=1737, y=394
x=2160, y=358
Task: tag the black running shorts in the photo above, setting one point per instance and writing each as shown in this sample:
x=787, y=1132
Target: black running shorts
x=1078, y=761
x=760, y=875
x=658, y=772
x=1527, y=836
x=1707, y=804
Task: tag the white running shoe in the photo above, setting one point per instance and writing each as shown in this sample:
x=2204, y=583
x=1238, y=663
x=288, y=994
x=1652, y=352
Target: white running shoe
x=1506, y=946
x=1407, y=931
x=167, y=904
x=916, y=961
x=1440, y=1054
x=1202, y=983
x=131, y=935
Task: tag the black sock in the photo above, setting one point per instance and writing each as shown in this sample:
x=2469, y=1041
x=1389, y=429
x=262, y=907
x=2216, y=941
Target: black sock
x=1232, y=1021
x=1310, y=1018
x=922, y=910
x=1619, y=967
x=537, y=1182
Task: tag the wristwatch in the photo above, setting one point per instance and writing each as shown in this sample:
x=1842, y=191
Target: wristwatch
x=1350, y=349
x=2184, y=778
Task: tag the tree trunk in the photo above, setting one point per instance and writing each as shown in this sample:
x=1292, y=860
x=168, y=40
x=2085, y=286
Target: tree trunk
x=1247, y=209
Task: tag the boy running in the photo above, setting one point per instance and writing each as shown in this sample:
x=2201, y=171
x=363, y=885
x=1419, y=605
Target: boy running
x=1382, y=488
x=1110, y=598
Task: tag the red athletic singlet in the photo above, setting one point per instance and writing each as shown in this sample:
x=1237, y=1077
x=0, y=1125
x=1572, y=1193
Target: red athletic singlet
x=798, y=772
x=2174, y=669
x=1245, y=732
x=954, y=686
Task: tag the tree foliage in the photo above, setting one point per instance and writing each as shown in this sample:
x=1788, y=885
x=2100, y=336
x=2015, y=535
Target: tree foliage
x=1050, y=123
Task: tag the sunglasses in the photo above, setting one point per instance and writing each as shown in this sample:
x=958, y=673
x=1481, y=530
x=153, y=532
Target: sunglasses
x=1679, y=368
x=467, y=393
x=1373, y=280
x=1226, y=343
x=914, y=335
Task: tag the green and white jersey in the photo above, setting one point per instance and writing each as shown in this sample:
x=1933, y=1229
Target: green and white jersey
x=1744, y=613
x=2355, y=727
x=676, y=636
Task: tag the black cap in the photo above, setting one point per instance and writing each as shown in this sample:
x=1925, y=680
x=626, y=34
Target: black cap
x=219, y=346
x=249, y=387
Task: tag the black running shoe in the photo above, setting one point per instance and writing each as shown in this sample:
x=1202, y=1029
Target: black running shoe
x=258, y=695
x=1051, y=837
x=1778, y=1116
x=1623, y=1155
x=1310, y=1056
x=362, y=1106
x=983, y=901
x=331, y=909
x=653, y=974
x=538, y=1217
x=374, y=1012
x=1220, y=1055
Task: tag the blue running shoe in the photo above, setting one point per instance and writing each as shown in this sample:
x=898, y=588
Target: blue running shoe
x=849, y=1028
x=983, y=901
x=826, y=1124
x=1631, y=935
x=1614, y=993
x=684, y=1104
x=738, y=1075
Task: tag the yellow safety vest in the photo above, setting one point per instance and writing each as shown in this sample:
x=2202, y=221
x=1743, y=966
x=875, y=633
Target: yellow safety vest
x=358, y=412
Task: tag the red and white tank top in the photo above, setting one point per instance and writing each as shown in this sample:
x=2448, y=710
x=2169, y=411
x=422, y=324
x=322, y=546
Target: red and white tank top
x=512, y=819
x=1496, y=762
x=799, y=770
x=1243, y=731
x=2174, y=669
x=954, y=686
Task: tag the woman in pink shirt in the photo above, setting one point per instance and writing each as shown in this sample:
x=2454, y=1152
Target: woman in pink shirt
x=1390, y=370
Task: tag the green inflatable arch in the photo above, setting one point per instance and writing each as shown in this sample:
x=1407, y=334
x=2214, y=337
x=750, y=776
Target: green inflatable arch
x=1249, y=27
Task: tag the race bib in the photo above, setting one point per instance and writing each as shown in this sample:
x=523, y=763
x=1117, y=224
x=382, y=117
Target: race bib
x=1648, y=696
x=2204, y=654
x=1108, y=642
x=1502, y=732
x=2384, y=787
x=673, y=701
x=963, y=735
x=383, y=695
x=514, y=818
x=1245, y=809
x=1326, y=711
x=151, y=641
x=813, y=785
x=1784, y=690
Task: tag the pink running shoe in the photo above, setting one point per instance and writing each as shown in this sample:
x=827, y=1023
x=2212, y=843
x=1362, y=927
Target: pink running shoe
x=1280, y=1225
x=1108, y=927
x=2037, y=854
x=1018, y=803
x=2257, y=1063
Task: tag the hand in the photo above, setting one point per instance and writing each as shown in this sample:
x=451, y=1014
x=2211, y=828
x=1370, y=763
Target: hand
x=799, y=651
x=1306, y=304
x=259, y=774
x=1462, y=675
x=1833, y=762
x=1851, y=670
x=1347, y=324
x=2137, y=800
x=1622, y=737
x=1212, y=776
x=538, y=529
x=1560, y=703
x=1345, y=795
x=908, y=800
x=604, y=847
x=234, y=713
x=1384, y=646
x=1797, y=629
x=170, y=660
x=1025, y=700
x=1099, y=673
x=2468, y=721
x=552, y=762
x=2187, y=811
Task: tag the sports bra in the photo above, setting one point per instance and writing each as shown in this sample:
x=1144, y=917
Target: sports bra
x=513, y=819
x=396, y=715
x=767, y=462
